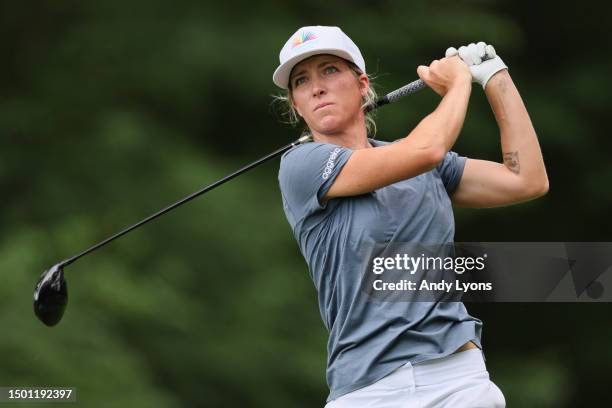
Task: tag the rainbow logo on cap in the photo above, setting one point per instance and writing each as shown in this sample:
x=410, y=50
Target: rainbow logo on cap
x=302, y=38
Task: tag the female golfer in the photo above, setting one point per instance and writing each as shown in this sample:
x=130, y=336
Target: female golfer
x=345, y=191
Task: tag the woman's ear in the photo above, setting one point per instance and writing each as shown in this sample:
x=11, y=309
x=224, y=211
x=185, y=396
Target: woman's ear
x=295, y=108
x=364, y=84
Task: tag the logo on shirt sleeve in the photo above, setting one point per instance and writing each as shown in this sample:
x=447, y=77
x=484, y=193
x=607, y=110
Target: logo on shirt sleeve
x=330, y=163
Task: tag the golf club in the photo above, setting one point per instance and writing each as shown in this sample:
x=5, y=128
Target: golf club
x=51, y=292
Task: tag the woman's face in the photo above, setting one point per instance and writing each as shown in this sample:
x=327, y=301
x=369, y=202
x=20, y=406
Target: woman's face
x=326, y=93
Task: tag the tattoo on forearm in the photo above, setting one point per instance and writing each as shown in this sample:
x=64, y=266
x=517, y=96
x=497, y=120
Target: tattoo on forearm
x=503, y=86
x=511, y=160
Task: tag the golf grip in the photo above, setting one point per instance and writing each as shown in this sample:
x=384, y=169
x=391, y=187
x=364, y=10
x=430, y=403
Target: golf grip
x=416, y=86
x=397, y=94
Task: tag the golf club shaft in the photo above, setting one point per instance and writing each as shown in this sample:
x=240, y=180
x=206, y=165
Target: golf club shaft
x=389, y=98
x=190, y=197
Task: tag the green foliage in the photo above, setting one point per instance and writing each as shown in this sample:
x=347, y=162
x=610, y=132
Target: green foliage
x=110, y=111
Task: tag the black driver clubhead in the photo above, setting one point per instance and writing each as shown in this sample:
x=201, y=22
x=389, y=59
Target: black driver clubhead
x=51, y=295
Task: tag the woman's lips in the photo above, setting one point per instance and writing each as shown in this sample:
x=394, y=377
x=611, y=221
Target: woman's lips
x=322, y=105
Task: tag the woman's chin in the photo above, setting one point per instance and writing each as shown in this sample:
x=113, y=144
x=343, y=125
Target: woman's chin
x=329, y=125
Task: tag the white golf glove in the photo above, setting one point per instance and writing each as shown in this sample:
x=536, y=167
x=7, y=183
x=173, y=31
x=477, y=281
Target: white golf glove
x=482, y=60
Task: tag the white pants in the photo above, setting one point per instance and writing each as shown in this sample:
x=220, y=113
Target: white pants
x=460, y=380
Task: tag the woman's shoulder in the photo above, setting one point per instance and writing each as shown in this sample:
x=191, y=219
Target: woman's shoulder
x=306, y=149
x=309, y=152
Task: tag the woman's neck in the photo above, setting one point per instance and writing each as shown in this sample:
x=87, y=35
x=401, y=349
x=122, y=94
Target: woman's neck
x=354, y=137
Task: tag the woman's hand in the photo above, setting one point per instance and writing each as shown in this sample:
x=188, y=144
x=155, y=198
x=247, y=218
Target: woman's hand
x=482, y=60
x=444, y=74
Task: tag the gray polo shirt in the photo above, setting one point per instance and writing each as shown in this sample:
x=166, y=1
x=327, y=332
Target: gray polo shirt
x=368, y=338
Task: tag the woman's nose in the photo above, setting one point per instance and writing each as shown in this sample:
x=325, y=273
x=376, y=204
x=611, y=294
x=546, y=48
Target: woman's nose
x=318, y=91
x=317, y=88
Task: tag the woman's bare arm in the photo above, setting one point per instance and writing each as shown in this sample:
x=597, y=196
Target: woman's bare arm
x=522, y=176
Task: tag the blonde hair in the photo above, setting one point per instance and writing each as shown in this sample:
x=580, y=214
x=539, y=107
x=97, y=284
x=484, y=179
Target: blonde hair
x=291, y=117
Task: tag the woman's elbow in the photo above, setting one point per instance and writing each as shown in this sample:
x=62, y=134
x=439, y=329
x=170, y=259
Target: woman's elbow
x=436, y=154
x=545, y=187
x=537, y=190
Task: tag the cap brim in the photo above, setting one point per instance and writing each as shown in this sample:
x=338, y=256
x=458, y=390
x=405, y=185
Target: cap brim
x=282, y=73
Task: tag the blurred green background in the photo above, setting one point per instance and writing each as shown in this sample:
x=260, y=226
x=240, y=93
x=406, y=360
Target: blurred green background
x=110, y=110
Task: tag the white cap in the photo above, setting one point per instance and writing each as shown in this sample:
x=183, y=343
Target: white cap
x=313, y=40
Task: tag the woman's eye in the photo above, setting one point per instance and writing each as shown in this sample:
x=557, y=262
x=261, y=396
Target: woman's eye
x=299, y=81
x=331, y=69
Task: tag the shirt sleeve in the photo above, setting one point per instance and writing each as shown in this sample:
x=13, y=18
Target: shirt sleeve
x=306, y=174
x=451, y=170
